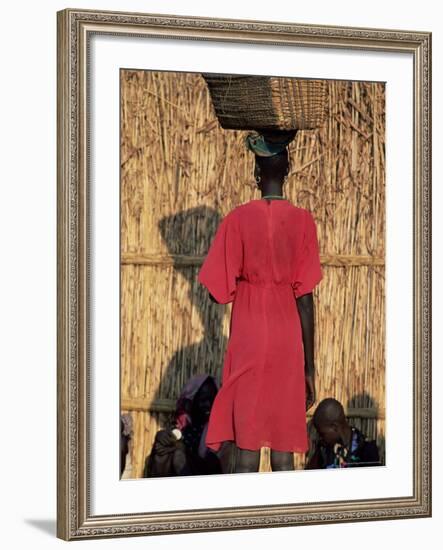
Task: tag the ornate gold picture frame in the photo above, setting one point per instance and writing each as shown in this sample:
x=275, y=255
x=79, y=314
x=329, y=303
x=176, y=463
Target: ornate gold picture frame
x=77, y=69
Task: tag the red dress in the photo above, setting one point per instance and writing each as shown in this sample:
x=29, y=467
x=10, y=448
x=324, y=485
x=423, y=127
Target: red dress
x=264, y=255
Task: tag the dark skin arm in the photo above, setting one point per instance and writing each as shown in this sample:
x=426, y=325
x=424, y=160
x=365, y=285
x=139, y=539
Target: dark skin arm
x=305, y=305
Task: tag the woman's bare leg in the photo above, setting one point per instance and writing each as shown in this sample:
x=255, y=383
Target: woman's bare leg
x=246, y=460
x=281, y=461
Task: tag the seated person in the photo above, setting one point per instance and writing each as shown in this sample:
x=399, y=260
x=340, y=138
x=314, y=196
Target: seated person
x=180, y=449
x=125, y=437
x=340, y=445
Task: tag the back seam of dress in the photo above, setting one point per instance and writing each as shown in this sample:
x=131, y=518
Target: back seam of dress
x=264, y=427
x=270, y=243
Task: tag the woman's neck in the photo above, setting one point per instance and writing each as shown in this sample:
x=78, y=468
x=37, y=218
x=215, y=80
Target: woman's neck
x=272, y=189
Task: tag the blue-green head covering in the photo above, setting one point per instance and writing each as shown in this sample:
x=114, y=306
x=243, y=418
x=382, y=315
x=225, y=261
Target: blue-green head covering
x=258, y=144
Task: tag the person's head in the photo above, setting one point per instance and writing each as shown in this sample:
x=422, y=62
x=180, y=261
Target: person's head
x=330, y=421
x=274, y=168
x=203, y=400
x=270, y=148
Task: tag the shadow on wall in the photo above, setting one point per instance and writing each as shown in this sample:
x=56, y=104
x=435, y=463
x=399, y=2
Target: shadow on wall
x=187, y=234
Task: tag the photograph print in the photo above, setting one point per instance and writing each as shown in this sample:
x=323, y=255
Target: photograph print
x=252, y=274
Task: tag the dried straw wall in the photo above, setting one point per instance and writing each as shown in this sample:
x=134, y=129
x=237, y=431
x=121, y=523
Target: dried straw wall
x=181, y=173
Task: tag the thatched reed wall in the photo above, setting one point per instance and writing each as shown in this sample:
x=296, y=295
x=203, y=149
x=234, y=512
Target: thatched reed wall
x=180, y=174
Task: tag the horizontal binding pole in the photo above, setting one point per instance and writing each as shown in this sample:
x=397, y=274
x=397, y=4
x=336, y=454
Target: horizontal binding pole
x=142, y=404
x=333, y=260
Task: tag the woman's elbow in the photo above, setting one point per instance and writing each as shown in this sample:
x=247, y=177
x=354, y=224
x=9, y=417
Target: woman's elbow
x=306, y=302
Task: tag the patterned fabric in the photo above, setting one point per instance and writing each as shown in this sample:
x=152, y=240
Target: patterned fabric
x=361, y=453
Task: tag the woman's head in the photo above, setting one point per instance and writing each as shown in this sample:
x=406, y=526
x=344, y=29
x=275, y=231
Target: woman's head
x=195, y=401
x=274, y=168
x=271, y=156
x=203, y=400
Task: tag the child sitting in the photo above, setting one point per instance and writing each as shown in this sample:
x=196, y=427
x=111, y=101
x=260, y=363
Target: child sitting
x=340, y=445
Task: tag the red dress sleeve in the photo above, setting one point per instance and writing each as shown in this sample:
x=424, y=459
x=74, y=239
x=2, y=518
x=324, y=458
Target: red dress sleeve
x=223, y=263
x=308, y=271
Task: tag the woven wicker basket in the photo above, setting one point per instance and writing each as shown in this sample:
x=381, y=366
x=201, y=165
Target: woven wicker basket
x=263, y=102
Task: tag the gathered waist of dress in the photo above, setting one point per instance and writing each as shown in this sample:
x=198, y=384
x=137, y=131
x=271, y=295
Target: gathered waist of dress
x=266, y=284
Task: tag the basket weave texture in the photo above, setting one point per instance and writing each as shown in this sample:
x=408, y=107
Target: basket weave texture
x=263, y=102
